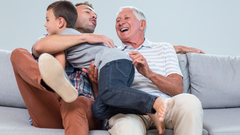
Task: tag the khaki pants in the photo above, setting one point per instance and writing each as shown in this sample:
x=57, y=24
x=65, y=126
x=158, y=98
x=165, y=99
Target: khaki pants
x=185, y=118
x=43, y=107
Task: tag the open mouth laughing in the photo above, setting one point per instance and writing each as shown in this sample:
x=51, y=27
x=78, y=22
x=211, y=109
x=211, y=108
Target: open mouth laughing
x=124, y=29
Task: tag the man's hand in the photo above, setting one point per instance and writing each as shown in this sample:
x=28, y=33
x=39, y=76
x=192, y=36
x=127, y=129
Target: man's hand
x=94, y=38
x=141, y=64
x=184, y=49
x=92, y=73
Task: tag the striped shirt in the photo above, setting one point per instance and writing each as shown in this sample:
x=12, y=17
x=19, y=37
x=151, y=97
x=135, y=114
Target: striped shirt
x=161, y=58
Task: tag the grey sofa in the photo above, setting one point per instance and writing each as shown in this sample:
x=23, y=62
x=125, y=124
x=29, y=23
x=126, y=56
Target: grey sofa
x=215, y=80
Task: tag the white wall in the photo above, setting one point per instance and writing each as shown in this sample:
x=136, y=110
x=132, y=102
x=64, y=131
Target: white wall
x=210, y=25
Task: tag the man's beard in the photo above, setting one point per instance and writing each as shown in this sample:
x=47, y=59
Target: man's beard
x=88, y=29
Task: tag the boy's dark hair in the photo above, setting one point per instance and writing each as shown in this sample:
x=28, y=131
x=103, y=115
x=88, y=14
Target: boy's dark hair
x=66, y=10
x=84, y=3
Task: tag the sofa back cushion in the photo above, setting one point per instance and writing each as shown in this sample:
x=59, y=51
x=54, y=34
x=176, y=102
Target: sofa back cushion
x=183, y=64
x=9, y=92
x=214, y=79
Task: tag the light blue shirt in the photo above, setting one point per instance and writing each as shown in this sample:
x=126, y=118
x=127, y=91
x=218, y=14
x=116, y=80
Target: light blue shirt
x=81, y=55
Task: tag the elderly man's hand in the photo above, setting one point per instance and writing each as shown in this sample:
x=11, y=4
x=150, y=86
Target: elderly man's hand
x=141, y=64
x=95, y=38
x=184, y=49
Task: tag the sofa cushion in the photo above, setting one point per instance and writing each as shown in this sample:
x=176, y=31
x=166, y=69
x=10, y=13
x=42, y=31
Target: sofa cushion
x=183, y=64
x=9, y=93
x=169, y=132
x=214, y=79
x=14, y=121
x=222, y=121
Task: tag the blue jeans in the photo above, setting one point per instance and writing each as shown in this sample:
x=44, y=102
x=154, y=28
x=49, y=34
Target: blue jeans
x=115, y=95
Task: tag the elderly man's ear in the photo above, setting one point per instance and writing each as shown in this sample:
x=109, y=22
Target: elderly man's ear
x=142, y=24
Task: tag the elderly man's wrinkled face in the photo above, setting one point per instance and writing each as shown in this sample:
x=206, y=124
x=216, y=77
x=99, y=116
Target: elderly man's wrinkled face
x=127, y=25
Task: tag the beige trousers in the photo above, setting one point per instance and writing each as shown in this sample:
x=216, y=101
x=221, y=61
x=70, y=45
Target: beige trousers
x=185, y=118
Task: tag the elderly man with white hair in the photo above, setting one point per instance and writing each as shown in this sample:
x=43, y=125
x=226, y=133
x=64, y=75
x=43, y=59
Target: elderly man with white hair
x=157, y=73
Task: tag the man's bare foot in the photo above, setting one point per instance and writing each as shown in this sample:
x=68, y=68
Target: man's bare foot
x=161, y=106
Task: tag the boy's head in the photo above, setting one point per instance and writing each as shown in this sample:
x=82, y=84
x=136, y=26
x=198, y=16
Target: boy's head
x=60, y=15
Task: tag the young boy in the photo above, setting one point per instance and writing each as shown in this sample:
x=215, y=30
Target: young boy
x=116, y=74
x=59, y=16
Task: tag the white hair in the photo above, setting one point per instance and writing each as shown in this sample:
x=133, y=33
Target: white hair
x=137, y=12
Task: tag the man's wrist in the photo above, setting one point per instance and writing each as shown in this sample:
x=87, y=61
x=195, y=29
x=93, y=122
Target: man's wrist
x=83, y=38
x=178, y=49
x=151, y=75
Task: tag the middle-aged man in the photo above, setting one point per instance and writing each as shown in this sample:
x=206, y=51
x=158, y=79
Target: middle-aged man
x=44, y=107
x=57, y=43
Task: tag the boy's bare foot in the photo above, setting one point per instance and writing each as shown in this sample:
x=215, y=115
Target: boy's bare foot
x=160, y=126
x=53, y=75
x=161, y=106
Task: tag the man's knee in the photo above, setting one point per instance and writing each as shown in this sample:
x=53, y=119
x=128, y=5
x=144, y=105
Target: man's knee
x=188, y=103
x=17, y=54
x=130, y=124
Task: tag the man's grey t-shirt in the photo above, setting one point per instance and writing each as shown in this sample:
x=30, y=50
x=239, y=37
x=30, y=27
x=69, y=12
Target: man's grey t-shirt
x=81, y=55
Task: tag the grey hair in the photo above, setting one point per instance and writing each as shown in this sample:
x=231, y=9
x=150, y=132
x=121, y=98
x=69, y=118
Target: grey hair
x=137, y=12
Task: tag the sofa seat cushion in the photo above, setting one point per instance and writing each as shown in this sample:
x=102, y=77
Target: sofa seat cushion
x=14, y=121
x=222, y=121
x=214, y=79
x=168, y=132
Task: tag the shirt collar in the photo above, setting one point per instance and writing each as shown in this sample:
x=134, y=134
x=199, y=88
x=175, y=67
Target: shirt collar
x=146, y=44
x=70, y=29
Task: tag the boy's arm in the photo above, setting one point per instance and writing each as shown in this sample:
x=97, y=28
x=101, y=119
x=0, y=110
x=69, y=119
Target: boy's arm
x=57, y=43
x=61, y=58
